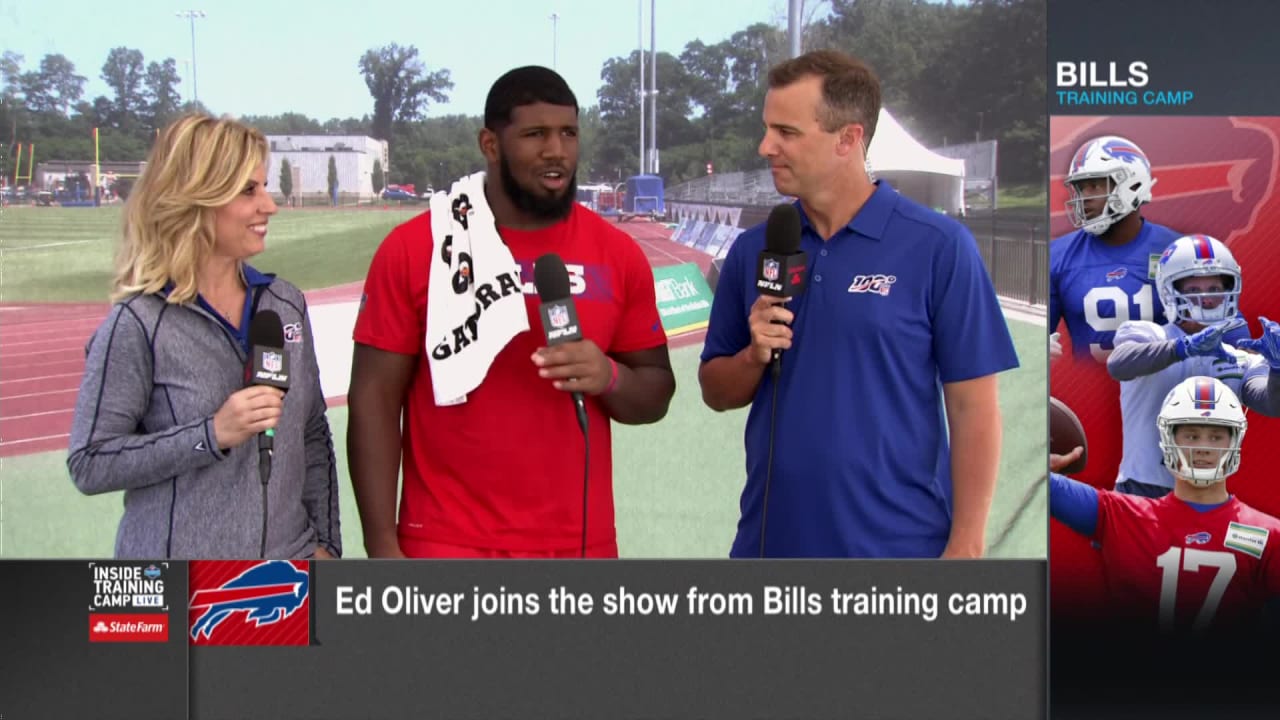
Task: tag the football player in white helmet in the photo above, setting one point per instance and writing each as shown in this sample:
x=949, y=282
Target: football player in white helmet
x=1198, y=281
x=1101, y=275
x=1199, y=284
x=1155, y=551
x=1109, y=178
x=1201, y=428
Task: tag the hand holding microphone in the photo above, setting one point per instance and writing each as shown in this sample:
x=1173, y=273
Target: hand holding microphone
x=256, y=409
x=780, y=276
x=572, y=363
x=578, y=367
x=770, y=322
x=246, y=413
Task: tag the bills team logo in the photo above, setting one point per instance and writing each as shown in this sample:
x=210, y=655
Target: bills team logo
x=1117, y=274
x=1077, y=161
x=1125, y=152
x=1200, y=538
x=1109, y=148
x=293, y=331
x=272, y=361
x=247, y=602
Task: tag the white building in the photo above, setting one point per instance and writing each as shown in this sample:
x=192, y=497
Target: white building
x=309, y=155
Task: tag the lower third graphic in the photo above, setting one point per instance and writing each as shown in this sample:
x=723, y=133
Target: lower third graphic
x=249, y=602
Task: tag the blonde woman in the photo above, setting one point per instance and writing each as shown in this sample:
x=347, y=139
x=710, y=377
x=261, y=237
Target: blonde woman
x=163, y=412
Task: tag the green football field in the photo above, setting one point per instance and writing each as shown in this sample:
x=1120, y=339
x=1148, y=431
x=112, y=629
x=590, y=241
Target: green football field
x=65, y=254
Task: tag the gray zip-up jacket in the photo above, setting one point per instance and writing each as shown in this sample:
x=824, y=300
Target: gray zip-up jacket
x=155, y=376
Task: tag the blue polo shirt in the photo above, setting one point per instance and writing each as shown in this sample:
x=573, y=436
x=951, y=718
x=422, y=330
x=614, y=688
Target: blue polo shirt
x=897, y=303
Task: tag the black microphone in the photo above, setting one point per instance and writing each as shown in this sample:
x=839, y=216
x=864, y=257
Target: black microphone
x=268, y=362
x=781, y=269
x=559, y=316
x=560, y=325
x=779, y=274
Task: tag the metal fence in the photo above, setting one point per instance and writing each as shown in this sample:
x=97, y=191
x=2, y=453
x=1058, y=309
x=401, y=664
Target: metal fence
x=739, y=189
x=1015, y=248
x=1014, y=242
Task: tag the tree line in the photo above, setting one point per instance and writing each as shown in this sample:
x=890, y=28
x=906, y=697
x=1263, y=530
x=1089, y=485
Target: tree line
x=951, y=73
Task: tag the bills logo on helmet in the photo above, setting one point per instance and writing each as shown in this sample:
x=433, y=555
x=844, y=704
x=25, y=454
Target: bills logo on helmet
x=1200, y=538
x=1124, y=152
x=249, y=602
x=1117, y=274
x=1077, y=160
x=1108, y=148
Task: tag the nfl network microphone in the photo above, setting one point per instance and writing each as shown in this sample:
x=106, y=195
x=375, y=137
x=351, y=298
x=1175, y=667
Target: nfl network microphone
x=782, y=264
x=268, y=363
x=559, y=316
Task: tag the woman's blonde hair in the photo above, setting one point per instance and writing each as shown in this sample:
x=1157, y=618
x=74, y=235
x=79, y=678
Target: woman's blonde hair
x=198, y=164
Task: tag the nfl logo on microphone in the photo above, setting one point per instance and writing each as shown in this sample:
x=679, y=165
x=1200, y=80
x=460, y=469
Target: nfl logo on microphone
x=272, y=361
x=249, y=602
x=771, y=267
x=558, y=315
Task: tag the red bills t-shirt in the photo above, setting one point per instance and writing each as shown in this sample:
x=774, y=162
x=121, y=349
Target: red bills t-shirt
x=504, y=470
x=1174, y=567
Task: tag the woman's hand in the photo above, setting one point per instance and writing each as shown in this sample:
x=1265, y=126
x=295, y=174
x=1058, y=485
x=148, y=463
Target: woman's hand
x=246, y=413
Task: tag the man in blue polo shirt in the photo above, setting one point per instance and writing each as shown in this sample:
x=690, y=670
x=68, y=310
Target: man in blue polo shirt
x=894, y=342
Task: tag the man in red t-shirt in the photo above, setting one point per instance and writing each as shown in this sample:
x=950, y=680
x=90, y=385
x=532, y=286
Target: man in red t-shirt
x=502, y=474
x=1197, y=558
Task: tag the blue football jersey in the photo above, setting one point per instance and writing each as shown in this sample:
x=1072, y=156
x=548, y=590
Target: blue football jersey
x=1095, y=287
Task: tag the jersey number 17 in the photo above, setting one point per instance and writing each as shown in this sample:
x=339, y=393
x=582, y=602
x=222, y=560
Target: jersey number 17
x=1173, y=561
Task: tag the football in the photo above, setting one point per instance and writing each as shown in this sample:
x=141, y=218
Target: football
x=1065, y=434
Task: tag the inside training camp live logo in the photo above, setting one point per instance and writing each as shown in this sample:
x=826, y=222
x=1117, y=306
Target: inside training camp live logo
x=249, y=602
x=136, y=587
x=1088, y=84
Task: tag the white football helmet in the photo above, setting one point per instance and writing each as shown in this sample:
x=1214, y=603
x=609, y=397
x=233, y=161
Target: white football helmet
x=1192, y=256
x=1201, y=401
x=1127, y=172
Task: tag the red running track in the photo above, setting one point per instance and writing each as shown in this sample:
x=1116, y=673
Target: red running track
x=42, y=350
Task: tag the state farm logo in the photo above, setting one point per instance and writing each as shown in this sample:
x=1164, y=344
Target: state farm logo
x=128, y=628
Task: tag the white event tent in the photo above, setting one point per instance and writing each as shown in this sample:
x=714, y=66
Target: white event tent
x=917, y=172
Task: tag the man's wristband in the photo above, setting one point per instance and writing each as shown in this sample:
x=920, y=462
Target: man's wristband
x=613, y=377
